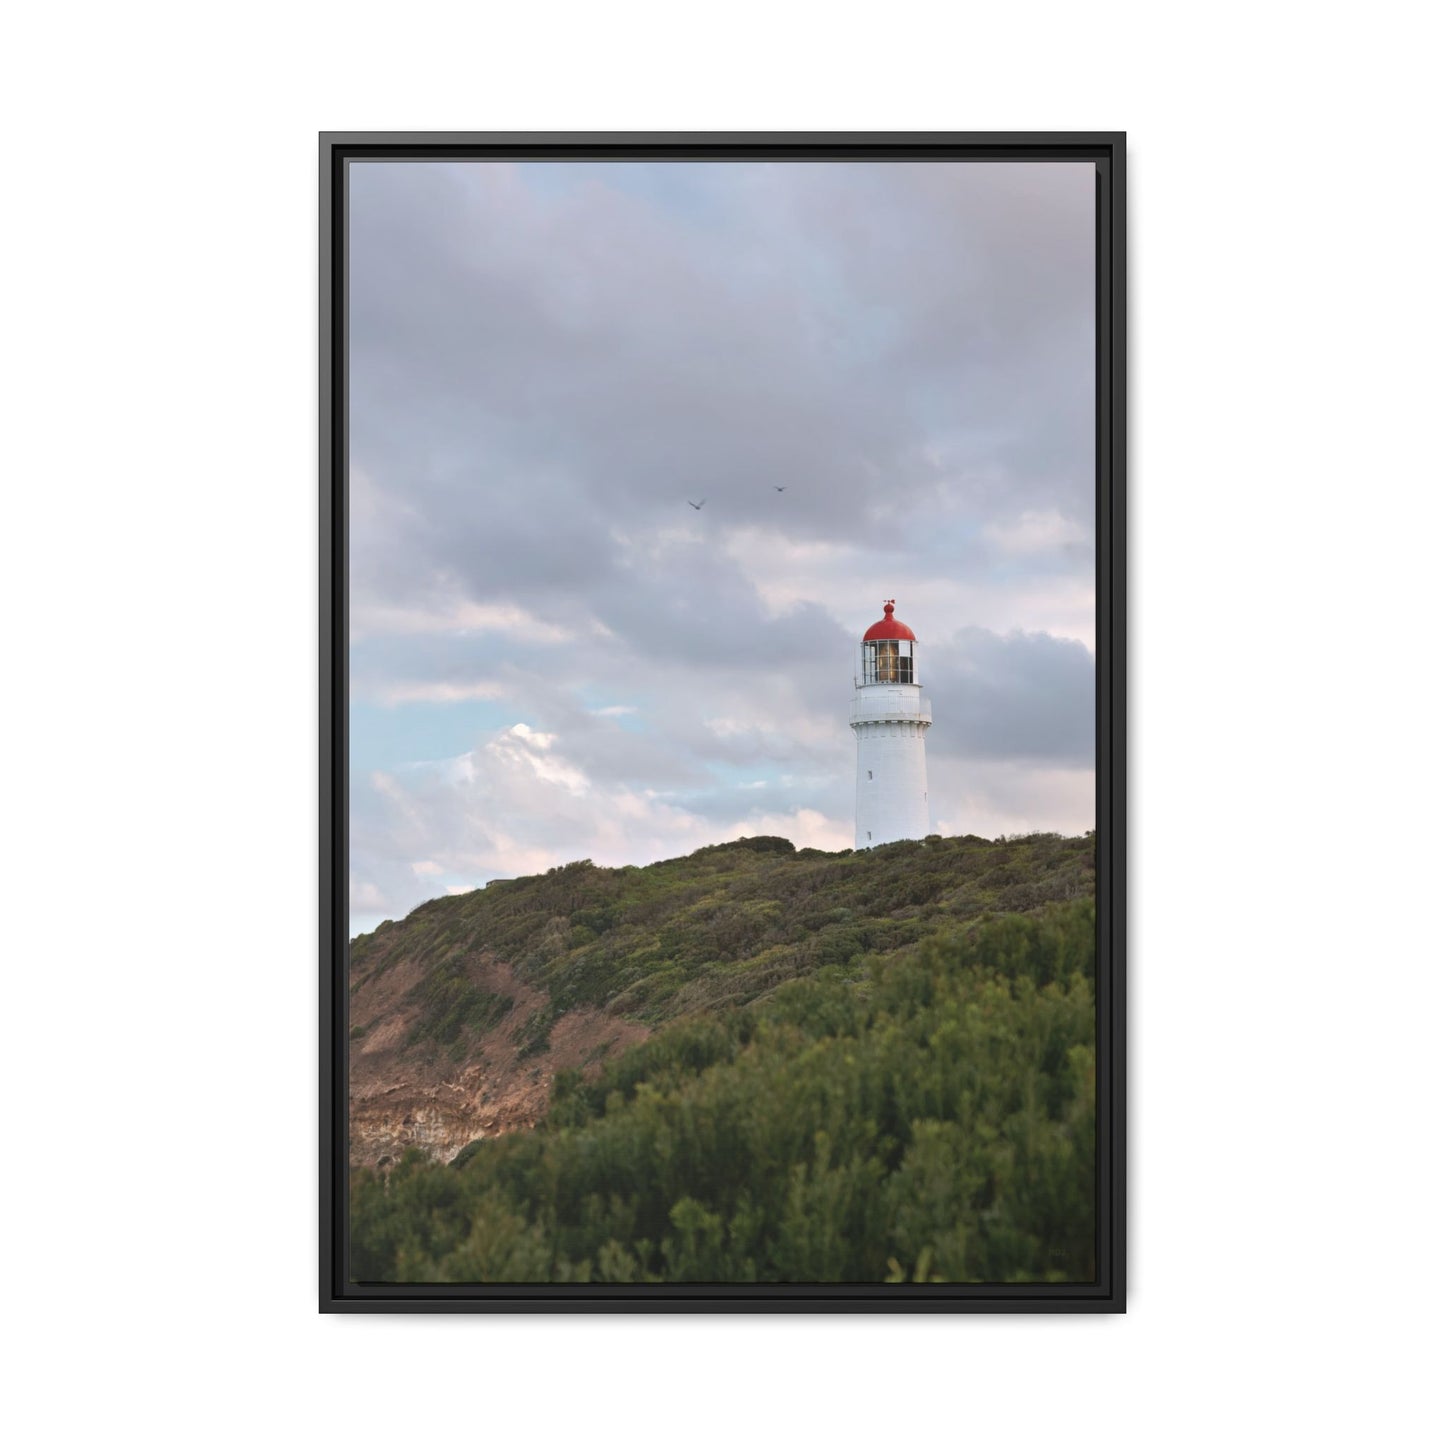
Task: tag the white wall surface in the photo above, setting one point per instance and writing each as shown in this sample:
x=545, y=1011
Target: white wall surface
x=891, y=795
x=158, y=554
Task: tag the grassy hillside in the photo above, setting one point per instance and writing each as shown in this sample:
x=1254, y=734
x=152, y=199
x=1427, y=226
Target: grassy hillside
x=714, y=930
x=864, y=1067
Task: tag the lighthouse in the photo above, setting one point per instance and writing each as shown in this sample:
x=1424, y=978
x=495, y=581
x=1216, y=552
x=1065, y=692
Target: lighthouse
x=890, y=716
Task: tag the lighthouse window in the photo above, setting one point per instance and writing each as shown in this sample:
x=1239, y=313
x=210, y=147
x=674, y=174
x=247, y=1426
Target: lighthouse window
x=887, y=662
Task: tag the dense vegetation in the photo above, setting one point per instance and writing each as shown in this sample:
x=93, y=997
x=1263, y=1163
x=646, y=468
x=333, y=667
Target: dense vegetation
x=867, y=1074
x=713, y=930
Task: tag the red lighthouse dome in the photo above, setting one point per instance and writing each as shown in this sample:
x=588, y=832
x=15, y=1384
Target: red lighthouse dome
x=889, y=627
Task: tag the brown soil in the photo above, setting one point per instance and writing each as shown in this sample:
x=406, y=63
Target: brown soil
x=418, y=1097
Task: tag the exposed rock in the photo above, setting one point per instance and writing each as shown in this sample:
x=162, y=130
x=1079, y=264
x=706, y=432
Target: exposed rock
x=407, y=1094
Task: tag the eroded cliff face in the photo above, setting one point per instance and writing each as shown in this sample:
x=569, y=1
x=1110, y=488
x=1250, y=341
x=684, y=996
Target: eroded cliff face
x=407, y=1093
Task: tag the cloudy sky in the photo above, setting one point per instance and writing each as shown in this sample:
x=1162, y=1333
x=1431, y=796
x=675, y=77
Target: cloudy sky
x=554, y=657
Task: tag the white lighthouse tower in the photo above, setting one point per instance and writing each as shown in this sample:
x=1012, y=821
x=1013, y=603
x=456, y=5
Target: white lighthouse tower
x=890, y=716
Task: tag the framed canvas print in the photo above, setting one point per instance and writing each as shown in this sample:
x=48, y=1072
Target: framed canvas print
x=722, y=735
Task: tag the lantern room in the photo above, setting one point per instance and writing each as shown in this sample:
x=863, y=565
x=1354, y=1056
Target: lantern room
x=889, y=652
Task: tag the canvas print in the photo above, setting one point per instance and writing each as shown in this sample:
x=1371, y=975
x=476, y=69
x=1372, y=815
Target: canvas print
x=722, y=671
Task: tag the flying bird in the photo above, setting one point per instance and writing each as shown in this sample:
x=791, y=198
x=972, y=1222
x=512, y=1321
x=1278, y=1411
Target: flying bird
x=777, y=488
x=697, y=506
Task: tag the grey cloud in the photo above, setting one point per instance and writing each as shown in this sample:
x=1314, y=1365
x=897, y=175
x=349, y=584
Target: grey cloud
x=1023, y=696
x=613, y=363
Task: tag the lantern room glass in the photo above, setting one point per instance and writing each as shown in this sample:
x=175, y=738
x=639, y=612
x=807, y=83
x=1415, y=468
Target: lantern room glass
x=887, y=662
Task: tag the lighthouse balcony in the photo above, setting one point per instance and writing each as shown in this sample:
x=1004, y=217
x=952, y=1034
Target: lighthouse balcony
x=890, y=704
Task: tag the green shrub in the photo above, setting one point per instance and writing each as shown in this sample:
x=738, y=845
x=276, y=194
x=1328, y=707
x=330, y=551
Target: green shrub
x=933, y=1120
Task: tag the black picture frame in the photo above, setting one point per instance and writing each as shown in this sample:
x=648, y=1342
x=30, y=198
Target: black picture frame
x=1106, y=149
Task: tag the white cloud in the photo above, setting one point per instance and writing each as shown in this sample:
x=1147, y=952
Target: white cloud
x=850, y=582
x=996, y=798
x=399, y=692
x=519, y=805
x=520, y=750
x=1038, y=532
x=454, y=614
x=366, y=897
x=806, y=827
